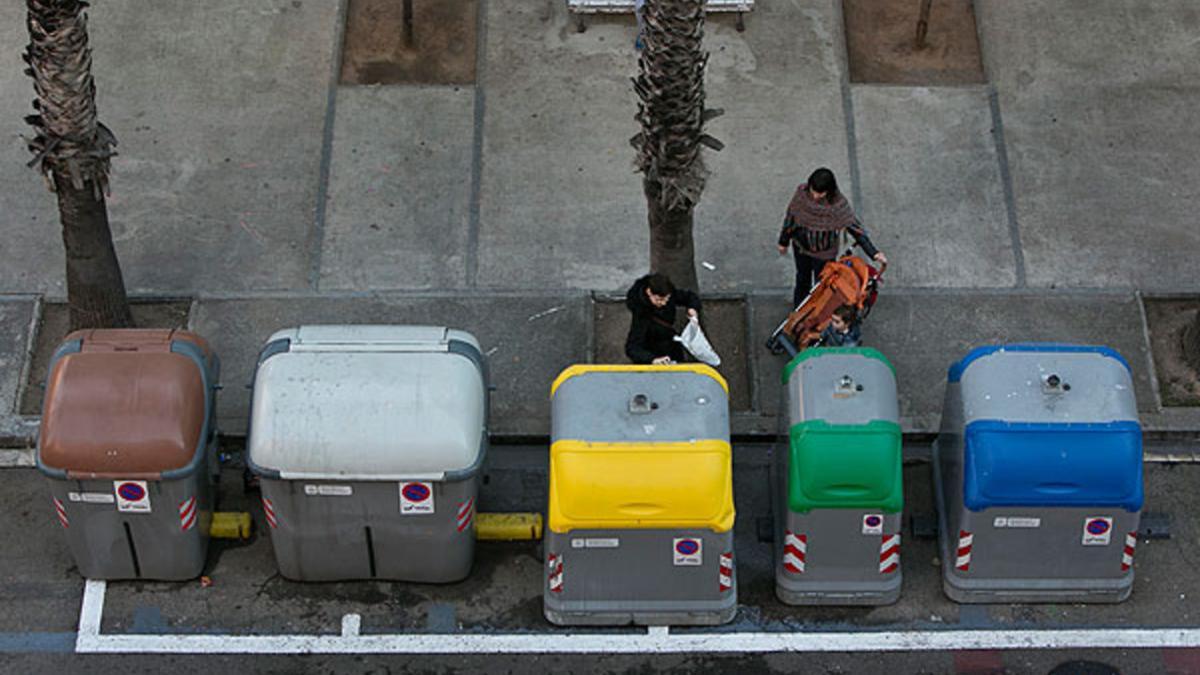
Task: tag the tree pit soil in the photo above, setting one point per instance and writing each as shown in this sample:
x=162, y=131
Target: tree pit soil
x=410, y=42
x=54, y=324
x=724, y=323
x=1178, y=382
x=881, y=37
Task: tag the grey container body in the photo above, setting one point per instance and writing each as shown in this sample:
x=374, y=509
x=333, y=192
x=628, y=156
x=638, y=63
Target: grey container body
x=167, y=543
x=637, y=581
x=340, y=530
x=111, y=544
x=335, y=509
x=839, y=565
x=997, y=555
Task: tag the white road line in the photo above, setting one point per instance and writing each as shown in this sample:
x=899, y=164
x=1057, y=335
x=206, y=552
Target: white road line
x=656, y=640
x=92, y=609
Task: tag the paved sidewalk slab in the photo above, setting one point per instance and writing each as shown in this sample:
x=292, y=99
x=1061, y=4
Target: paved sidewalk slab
x=923, y=333
x=560, y=206
x=780, y=84
x=219, y=110
x=528, y=342
x=933, y=198
x=399, y=188
x=1101, y=144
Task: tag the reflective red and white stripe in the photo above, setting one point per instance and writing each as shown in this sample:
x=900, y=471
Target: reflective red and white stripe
x=269, y=512
x=795, y=551
x=725, y=571
x=62, y=513
x=889, y=553
x=963, y=562
x=554, y=571
x=187, y=514
x=1127, y=554
x=466, y=511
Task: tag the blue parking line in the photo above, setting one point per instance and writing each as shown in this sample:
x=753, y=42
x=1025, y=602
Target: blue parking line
x=37, y=642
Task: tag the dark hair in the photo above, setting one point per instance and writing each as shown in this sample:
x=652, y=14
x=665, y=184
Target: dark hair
x=822, y=180
x=847, y=314
x=660, y=284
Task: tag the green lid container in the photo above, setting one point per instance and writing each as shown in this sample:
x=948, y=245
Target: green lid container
x=841, y=466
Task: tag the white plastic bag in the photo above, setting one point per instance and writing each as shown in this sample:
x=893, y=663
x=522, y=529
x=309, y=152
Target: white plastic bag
x=697, y=344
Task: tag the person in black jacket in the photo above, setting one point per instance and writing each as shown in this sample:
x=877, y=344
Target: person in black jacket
x=653, y=300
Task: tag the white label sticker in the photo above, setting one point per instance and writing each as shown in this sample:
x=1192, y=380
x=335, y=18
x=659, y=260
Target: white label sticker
x=416, y=498
x=91, y=497
x=133, y=496
x=595, y=543
x=687, y=551
x=328, y=490
x=1097, y=530
x=1015, y=521
x=872, y=523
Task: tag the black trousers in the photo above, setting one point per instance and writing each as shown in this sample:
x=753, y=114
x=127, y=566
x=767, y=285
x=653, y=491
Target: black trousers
x=808, y=269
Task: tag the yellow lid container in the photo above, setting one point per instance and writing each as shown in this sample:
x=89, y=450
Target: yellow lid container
x=675, y=485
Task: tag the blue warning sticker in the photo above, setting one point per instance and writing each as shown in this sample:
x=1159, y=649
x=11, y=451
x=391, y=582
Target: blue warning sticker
x=1097, y=530
x=133, y=496
x=687, y=551
x=872, y=523
x=416, y=498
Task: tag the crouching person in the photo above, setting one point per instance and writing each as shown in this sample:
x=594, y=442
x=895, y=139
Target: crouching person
x=653, y=301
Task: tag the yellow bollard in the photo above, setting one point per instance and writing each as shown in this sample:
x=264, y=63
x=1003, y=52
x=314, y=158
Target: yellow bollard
x=230, y=525
x=508, y=526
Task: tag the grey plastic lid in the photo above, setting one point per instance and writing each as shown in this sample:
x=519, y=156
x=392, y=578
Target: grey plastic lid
x=372, y=337
x=368, y=403
x=1016, y=386
x=640, y=407
x=842, y=388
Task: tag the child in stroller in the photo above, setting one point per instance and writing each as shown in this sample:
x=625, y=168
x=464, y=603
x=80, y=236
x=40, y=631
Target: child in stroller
x=849, y=280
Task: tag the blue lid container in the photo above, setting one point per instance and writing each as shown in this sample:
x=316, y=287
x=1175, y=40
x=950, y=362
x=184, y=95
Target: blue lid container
x=1052, y=464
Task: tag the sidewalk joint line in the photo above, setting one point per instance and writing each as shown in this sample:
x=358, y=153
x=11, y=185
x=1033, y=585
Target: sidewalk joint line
x=474, y=208
x=316, y=237
x=1010, y=203
x=843, y=56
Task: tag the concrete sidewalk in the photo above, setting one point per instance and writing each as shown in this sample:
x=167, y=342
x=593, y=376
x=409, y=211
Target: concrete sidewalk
x=1045, y=204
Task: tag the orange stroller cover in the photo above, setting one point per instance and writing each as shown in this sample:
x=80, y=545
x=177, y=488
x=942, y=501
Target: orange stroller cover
x=845, y=281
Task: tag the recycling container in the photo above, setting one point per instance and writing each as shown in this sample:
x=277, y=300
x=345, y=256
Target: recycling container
x=368, y=443
x=1038, y=475
x=640, y=517
x=128, y=445
x=838, y=487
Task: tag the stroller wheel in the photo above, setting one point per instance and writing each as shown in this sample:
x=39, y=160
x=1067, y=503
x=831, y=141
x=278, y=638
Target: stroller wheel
x=775, y=345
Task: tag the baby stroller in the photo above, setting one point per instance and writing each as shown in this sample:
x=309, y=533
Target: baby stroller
x=849, y=280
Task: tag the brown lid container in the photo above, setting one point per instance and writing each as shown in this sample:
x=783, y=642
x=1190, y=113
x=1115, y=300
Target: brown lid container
x=124, y=406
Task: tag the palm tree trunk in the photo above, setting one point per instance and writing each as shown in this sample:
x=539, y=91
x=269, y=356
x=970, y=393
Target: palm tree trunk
x=1191, y=343
x=671, y=112
x=95, y=288
x=672, y=246
x=72, y=150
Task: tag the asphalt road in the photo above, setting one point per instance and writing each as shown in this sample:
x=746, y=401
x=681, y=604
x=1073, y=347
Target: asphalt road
x=41, y=595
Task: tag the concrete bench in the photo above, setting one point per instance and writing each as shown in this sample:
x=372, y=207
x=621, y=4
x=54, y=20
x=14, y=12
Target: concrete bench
x=581, y=7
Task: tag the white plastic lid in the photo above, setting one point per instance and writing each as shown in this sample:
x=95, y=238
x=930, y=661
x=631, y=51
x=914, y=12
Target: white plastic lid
x=350, y=412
